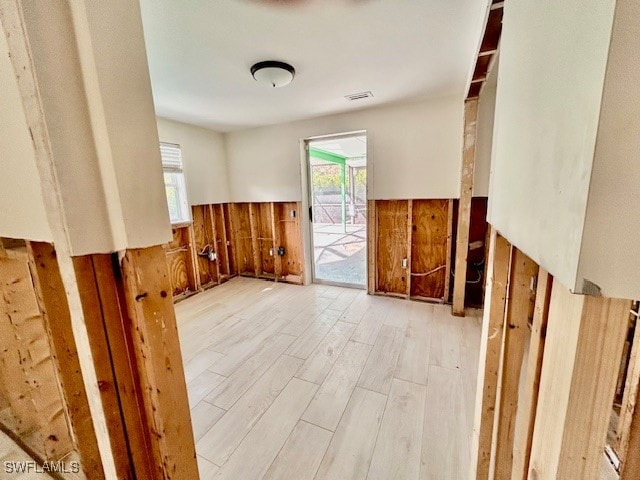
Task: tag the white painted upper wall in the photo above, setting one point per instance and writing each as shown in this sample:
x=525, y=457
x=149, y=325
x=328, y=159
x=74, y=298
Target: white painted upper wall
x=553, y=57
x=484, y=142
x=611, y=244
x=90, y=65
x=414, y=151
x=22, y=214
x=204, y=159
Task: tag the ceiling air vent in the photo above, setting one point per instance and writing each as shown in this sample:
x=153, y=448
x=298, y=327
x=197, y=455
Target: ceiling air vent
x=358, y=96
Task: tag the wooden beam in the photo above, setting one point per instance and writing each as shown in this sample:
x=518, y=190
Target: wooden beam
x=528, y=405
x=519, y=312
x=159, y=362
x=629, y=397
x=53, y=303
x=464, y=207
x=498, y=265
x=585, y=336
x=631, y=464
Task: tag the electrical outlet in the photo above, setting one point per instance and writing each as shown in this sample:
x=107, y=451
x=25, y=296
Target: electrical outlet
x=281, y=251
x=212, y=256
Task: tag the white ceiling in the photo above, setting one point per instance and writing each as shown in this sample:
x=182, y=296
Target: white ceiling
x=200, y=53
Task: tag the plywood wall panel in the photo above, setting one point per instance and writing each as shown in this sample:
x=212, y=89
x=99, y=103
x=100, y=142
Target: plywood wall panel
x=202, y=239
x=289, y=236
x=429, y=248
x=392, y=246
x=27, y=366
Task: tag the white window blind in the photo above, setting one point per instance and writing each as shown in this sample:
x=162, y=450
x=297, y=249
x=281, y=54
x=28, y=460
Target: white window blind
x=171, y=156
x=174, y=183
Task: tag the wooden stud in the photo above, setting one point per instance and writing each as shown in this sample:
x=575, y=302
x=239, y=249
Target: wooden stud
x=631, y=464
x=224, y=238
x=159, y=362
x=214, y=236
x=629, y=397
x=519, y=312
x=255, y=243
x=447, y=278
x=584, y=342
x=93, y=315
x=522, y=443
x=372, y=234
x=409, y=243
x=464, y=208
x=120, y=338
x=230, y=239
x=193, y=262
x=53, y=304
x=490, y=348
x=277, y=259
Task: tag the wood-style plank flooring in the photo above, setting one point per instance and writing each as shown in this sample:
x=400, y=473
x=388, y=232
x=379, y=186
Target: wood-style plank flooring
x=322, y=382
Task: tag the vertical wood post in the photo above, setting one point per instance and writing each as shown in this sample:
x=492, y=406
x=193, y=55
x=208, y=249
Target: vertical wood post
x=447, y=272
x=55, y=310
x=255, y=242
x=519, y=312
x=631, y=463
x=409, y=243
x=528, y=405
x=464, y=207
x=489, y=363
x=372, y=241
x=214, y=239
x=159, y=362
x=630, y=396
x=585, y=336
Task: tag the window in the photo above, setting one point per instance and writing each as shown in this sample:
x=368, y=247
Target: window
x=174, y=183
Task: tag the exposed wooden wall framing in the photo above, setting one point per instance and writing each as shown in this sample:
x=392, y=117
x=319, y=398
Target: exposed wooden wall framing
x=529, y=404
x=244, y=238
x=498, y=267
x=464, y=209
x=156, y=350
x=560, y=394
x=519, y=314
x=33, y=406
x=411, y=248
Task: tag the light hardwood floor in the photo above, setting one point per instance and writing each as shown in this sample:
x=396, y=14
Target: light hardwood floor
x=321, y=382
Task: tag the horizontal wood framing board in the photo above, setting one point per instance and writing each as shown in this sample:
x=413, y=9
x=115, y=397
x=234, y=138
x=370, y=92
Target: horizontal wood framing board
x=423, y=232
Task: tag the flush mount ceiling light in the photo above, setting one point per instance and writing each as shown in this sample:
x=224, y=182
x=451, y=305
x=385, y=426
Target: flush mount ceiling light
x=273, y=73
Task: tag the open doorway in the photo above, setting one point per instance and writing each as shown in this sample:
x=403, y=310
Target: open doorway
x=337, y=169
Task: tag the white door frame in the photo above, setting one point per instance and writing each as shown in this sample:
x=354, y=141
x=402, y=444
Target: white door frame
x=307, y=225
